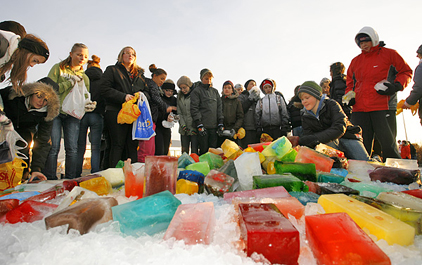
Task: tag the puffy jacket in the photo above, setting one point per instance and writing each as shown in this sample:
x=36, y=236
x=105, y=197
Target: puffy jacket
x=271, y=110
x=32, y=122
x=294, y=107
x=331, y=123
x=116, y=84
x=337, y=88
x=156, y=103
x=206, y=107
x=369, y=68
x=183, y=109
x=248, y=106
x=232, y=112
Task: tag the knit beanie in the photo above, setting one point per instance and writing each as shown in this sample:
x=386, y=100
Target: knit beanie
x=204, y=72
x=184, y=80
x=247, y=83
x=267, y=81
x=311, y=88
x=228, y=82
x=362, y=37
x=239, y=86
x=169, y=84
x=419, y=50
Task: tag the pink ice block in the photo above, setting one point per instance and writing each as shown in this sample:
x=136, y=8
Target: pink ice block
x=273, y=192
x=307, y=155
x=193, y=223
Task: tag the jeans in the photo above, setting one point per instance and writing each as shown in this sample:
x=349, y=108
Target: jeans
x=94, y=121
x=70, y=127
x=352, y=148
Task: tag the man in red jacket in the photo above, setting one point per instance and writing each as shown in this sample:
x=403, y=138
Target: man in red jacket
x=366, y=73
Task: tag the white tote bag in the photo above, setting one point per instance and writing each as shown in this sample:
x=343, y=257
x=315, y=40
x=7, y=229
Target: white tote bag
x=74, y=102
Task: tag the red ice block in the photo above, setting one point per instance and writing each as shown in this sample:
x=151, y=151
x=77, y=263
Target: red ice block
x=29, y=211
x=195, y=157
x=417, y=193
x=266, y=231
x=260, y=146
x=61, y=187
x=336, y=239
x=273, y=192
x=307, y=155
x=160, y=174
x=44, y=196
x=193, y=223
x=7, y=205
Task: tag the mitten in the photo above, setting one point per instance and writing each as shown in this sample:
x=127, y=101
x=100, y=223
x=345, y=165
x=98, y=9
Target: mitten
x=391, y=89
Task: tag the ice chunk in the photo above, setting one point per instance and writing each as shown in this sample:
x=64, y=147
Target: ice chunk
x=160, y=174
x=247, y=165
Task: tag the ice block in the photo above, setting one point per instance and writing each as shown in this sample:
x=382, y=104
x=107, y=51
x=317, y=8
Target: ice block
x=213, y=160
x=230, y=169
x=290, y=156
x=329, y=177
x=278, y=148
x=134, y=179
x=307, y=155
x=99, y=185
x=339, y=171
x=399, y=176
x=29, y=211
x=247, y=165
x=148, y=215
x=273, y=192
x=195, y=157
x=160, y=174
x=65, y=185
x=331, y=188
x=401, y=199
x=417, y=193
x=20, y=195
x=266, y=231
x=305, y=197
x=194, y=176
x=77, y=194
x=288, y=181
x=186, y=186
x=231, y=149
x=409, y=216
x=115, y=176
x=286, y=205
x=84, y=215
x=184, y=160
x=402, y=163
x=43, y=196
x=336, y=239
x=377, y=222
x=202, y=167
x=260, y=146
x=366, y=188
x=193, y=223
x=218, y=183
x=7, y=205
x=304, y=171
x=268, y=164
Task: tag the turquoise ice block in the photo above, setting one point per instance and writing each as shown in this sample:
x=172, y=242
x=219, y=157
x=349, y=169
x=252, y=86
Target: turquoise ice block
x=184, y=161
x=149, y=215
x=305, y=197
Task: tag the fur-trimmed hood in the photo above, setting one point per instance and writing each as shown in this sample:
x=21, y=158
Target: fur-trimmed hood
x=53, y=102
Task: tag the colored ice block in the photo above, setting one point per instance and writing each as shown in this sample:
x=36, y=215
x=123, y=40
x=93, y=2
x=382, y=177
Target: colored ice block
x=247, y=165
x=304, y=171
x=273, y=192
x=193, y=223
x=266, y=231
x=329, y=151
x=305, y=197
x=134, y=180
x=278, y=148
x=20, y=195
x=251, y=150
x=115, y=176
x=268, y=164
x=148, y=215
x=100, y=185
x=231, y=149
x=288, y=181
x=29, y=211
x=195, y=157
x=213, y=160
x=366, y=188
x=409, y=216
x=43, y=196
x=184, y=160
x=336, y=239
x=160, y=174
x=218, y=183
x=260, y=146
x=290, y=156
x=202, y=167
x=329, y=177
x=286, y=205
x=7, y=205
x=339, y=171
x=186, y=186
x=229, y=168
x=331, y=188
x=377, y=222
x=65, y=185
x=399, y=176
x=417, y=193
x=307, y=155
x=401, y=199
x=84, y=215
x=77, y=194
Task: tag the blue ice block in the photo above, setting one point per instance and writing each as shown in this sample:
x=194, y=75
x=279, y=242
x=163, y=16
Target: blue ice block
x=20, y=195
x=305, y=197
x=192, y=175
x=339, y=171
x=184, y=160
x=149, y=215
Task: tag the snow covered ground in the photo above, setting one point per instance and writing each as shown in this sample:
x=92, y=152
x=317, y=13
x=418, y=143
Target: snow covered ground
x=31, y=243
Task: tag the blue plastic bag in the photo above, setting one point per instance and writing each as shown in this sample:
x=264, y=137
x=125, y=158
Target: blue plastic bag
x=142, y=128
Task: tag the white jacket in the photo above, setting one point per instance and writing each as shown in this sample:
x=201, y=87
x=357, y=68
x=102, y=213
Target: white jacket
x=13, y=40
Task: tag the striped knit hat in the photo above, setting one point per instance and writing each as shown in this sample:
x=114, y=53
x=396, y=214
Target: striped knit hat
x=311, y=88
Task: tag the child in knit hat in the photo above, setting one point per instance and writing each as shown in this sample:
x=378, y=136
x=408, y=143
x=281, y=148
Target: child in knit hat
x=324, y=122
x=271, y=112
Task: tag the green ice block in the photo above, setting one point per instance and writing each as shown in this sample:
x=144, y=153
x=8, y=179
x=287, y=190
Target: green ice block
x=213, y=160
x=365, y=187
x=290, y=156
x=202, y=167
x=304, y=171
x=329, y=177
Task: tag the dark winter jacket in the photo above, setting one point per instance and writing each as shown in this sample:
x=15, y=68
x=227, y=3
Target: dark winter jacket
x=206, y=107
x=171, y=101
x=116, y=84
x=294, y=107
x=416, y=93
x=330, y=123
x=94, y=74
x=248, y=107
x=232, y=112
x=156, y=103
x=337, y=88
x=183, y=109
x=32, y=125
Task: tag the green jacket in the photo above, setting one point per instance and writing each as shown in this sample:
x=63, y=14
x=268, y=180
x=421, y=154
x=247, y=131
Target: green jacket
x=65, y=86
x=232, y=112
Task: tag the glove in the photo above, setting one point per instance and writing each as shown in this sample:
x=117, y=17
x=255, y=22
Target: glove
x=220, y=127
x=352, y=102
x=90, y=106
x=72, y=78
x=308, y=140
x=185, y=129
x=194, y=132
x=253, y=95
x=202, y=131
x=391, y=89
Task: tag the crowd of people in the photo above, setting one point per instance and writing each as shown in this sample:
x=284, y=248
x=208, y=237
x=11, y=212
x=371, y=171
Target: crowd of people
x=353, y=112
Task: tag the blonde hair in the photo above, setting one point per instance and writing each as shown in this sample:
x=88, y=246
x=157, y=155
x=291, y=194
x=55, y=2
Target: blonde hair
x=134, y=68
x=68, y=60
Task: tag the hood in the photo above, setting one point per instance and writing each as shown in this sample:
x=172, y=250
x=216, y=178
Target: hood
x=94, y=73
x=53, y=105
x=271, y=81
x=235, y=94
x=371, y=33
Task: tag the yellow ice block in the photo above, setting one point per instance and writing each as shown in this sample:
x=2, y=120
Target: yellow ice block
x=377, y=222
x=99, y=185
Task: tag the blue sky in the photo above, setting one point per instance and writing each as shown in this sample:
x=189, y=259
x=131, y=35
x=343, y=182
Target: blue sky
x=288, y=41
